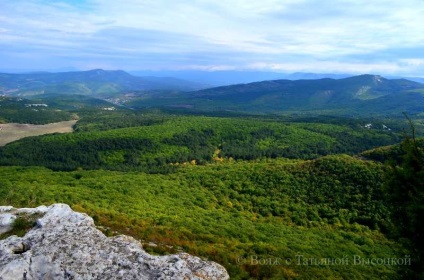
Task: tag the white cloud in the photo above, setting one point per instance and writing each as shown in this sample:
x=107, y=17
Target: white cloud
x=413, y=61
x=237, y=33
x=324, y=66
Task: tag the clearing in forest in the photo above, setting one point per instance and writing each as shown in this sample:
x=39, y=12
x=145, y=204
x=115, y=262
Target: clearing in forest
x=10, y=132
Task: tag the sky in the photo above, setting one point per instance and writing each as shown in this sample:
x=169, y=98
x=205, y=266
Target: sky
x=343, y=36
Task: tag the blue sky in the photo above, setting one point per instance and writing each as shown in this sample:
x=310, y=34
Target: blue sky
x=344, y=36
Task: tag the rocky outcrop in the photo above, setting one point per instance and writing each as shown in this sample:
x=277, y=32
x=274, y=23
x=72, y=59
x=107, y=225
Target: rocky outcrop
x=66, y=245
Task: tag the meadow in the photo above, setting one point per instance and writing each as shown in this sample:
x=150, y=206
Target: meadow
x=10, y=132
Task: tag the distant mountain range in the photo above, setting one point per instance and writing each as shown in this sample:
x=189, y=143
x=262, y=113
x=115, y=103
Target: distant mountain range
x=348, y=96
x=231, y=77
x=99, y=83
x=364, y=94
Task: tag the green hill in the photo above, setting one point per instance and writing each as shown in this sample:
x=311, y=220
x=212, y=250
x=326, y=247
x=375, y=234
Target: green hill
x=158, y=143
x=387, y=153
x=48, y=108
x=354, y=96
x=364, y=95
x=97, y=83
x=268, y=197
x=291, y=216
x=20, y=110
x=287, y=195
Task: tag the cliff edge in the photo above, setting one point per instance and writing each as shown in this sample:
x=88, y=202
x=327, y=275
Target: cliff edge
x=64, y=244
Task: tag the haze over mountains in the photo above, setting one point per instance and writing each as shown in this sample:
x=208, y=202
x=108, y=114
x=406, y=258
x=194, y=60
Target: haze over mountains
x=349, y=96
x=364, y=94
x=230, y=77
x=94, y=82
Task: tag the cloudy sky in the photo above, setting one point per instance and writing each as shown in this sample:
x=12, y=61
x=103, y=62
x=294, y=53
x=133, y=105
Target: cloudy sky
x=341, y=36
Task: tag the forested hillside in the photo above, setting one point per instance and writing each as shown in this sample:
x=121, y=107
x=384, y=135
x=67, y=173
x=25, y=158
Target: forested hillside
x=95, y=82
x=27, y=111
x=236, y=212
x=158, y=143
x=283, y=140
x=242, y=190
x=358, y=96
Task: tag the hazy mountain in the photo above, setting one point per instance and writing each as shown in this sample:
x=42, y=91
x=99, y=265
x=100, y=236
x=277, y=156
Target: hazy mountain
x=230, y=77
x=223, y=78
x=416, y=79
x=75, y=102
x=94, y=82
x=364, y=94
x=47, y=108
x=314, y=76
x=215, y=78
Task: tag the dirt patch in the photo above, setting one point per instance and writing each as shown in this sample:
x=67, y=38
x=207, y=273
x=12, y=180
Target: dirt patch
x=10, y=132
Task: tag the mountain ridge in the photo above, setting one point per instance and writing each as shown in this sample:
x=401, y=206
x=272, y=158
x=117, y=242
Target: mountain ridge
x=363, y=94
x=96, y=82
x=350, y=96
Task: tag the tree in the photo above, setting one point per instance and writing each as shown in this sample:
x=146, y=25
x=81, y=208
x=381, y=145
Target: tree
x=405, y=191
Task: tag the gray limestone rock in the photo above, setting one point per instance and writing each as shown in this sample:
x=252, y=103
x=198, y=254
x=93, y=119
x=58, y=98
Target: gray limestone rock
x=66, y=245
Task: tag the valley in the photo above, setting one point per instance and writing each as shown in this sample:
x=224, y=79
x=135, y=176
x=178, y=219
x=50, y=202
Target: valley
x=356, y=96
x=242, y=140
x=271, y=179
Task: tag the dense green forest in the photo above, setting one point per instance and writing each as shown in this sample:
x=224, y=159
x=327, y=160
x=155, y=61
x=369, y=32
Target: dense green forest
x=29, y=111
x=356, y=96
x=363, y=95
x=157, y=143
x=331, y=207
x=268, y=197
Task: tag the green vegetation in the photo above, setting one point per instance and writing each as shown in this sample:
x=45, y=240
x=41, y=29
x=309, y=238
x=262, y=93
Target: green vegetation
x=279, y=209
x=392, y=153
x=27, y=111
x=240, y=190
x=21, y=225
x=405, y=192
x=364, y=95
x=358, y=96
x=107, y=120
x=75, y=103
x=164, y=141
x=96, y=83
